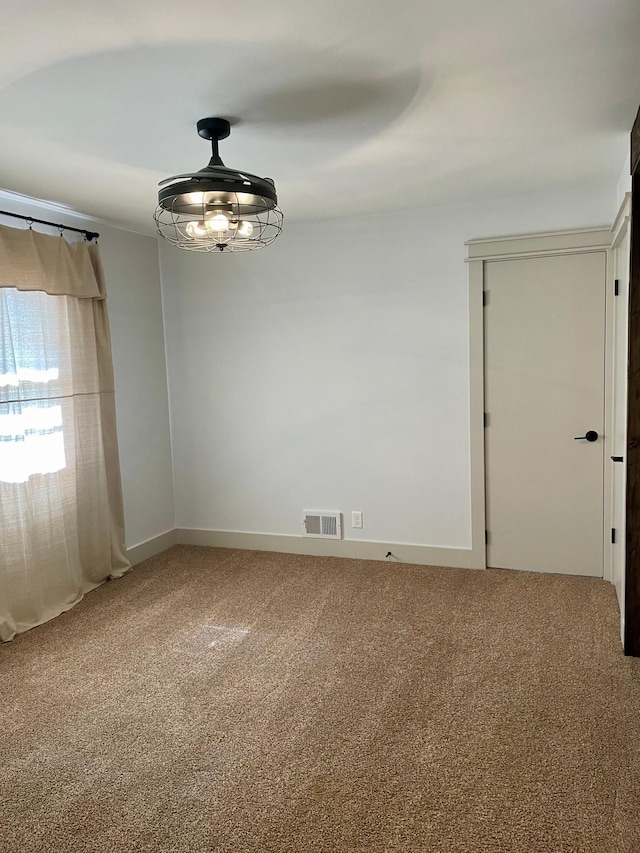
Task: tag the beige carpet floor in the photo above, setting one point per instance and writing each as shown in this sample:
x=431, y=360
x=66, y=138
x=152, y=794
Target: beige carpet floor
x=217, y=700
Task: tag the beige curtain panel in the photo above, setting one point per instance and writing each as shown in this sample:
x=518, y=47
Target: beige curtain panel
x=61, y=511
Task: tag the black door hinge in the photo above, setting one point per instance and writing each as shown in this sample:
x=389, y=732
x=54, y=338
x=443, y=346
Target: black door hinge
x=486, y=537
x=616, y=287
x=613, y=536
x=485, y=298
x=486, y=419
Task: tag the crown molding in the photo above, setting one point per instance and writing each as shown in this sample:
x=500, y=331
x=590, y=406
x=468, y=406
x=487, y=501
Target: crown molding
x=61, y=210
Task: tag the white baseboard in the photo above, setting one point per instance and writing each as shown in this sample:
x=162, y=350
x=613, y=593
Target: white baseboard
x=151, y=547
x=424, y=555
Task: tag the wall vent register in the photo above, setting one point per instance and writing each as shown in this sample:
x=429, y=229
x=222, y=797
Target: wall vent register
x=322, y=524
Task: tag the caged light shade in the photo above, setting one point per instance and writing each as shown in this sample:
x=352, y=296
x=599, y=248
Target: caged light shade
x=218, y=209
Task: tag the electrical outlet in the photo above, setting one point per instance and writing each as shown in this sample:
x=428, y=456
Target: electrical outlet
x=356, y=519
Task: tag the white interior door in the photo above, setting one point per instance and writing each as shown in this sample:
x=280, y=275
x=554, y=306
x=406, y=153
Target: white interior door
x=544, y=386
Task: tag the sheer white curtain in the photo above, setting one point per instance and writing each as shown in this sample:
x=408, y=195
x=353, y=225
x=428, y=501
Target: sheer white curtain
x=61, y=512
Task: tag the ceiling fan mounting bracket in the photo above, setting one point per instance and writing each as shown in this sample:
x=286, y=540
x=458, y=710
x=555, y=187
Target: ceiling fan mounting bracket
x=214, y=129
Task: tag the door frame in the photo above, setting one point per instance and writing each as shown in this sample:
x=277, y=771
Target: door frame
x=632, y=517
x=479, y=252
x=619, y=230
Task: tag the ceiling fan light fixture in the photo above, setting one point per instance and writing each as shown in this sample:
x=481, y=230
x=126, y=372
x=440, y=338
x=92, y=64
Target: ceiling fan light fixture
x=218, y=209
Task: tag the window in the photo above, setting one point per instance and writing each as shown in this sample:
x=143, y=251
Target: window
x=31, y=436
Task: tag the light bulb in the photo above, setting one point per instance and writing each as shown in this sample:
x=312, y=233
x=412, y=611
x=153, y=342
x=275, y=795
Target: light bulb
x=245, y=229
x=196, y=228
x=217, y=223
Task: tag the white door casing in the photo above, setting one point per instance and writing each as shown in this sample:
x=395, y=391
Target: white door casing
x=620, y=257
x=480, y=253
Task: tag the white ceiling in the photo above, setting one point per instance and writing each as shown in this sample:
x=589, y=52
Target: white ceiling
x=350, y=105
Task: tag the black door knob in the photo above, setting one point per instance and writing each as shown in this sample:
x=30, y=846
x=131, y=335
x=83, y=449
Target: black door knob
x=591, y=435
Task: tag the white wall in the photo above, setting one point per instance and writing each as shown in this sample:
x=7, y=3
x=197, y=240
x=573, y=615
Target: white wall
x=135, y=316
x=624, y=182
x=137, y=336
x=330, y=370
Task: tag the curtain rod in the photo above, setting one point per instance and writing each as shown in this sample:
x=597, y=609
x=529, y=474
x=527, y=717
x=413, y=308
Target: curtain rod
x=89, y=235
